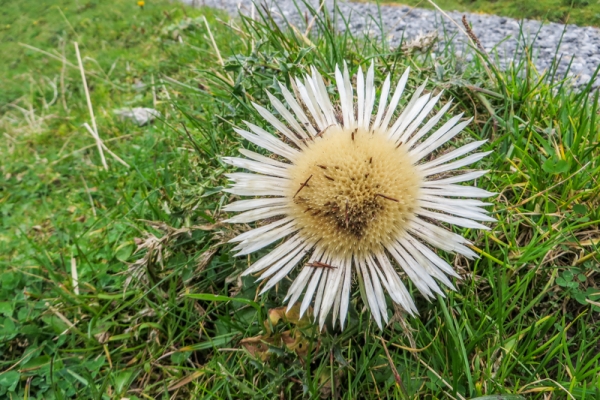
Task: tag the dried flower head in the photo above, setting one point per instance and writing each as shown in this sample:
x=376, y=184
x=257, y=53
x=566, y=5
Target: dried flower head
x=352, y=192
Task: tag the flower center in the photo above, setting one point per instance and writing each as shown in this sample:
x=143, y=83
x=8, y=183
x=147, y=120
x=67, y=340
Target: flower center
x=353, y=191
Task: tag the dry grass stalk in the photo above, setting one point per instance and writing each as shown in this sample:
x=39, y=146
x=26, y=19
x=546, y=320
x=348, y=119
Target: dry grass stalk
x=74, y=276
x=103, y=146
x=90, y=108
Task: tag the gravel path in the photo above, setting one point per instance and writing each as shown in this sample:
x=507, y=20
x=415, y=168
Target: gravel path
x=580, y=45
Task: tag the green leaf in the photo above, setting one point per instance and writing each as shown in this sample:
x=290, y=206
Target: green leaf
x=580, y=297
x=124, y=251
x=10, y=379
x=567, y=275
x=121, y=380
x=213, y=297
x=216, y=341
x=580, y=209
x=6, y=308
x=211, y=191
x=93, y=366
x=180, y=357
x=36, y=362
x=7, y=326
x=555, y=166
x=573, y=285
x=9, y=280
x=78, y=377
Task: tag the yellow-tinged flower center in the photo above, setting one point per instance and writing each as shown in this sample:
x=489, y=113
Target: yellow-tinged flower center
x=353, y=191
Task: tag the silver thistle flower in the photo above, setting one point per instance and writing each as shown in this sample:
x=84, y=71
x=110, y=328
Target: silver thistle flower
x=355, y=194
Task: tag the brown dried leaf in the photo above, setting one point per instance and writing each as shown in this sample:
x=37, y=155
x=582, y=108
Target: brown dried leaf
x=102, y=337
x=258, y=346
x=293, y=340
x=185, y=380
x=206, y=258
x=296, y=342
x=291, y=316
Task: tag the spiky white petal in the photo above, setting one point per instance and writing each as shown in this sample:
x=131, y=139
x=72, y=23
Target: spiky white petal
x=404, y=137
x=255, y=166
x=274, y=256
x=413, y=107
x=297, y=109
x=439, y=137
x=322, y=97
x=268, y=142
x=455, y=191
x=255, y=215
x=370, y=291
x=245, y=205
x=429, y=125
x=369, y=96
x=320, y=291
x=308, y=98
x=280, y=126
x=428, y=169
x=332, y=290
x=281, y=269
x=256, y=243
x=360, y=97
x=385, y=91
x=395, y=99
x=258, y=231
x=345, y=292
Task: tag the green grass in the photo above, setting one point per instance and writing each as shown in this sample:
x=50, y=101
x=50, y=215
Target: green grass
x=579, y=12
x=162, y=311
